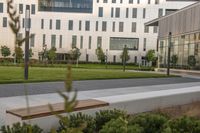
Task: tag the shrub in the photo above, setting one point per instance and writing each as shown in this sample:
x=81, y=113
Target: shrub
x=152, y=123
x=182, y=125
x=80, y=120
x=104, y=116
x=21, y=128
x=191, y=60
x=120, y=125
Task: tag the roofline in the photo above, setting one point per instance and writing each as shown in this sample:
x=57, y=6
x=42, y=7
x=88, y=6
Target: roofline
x=154, y=22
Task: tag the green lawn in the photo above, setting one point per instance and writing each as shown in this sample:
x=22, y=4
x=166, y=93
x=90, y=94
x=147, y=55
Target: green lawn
x=41, y=74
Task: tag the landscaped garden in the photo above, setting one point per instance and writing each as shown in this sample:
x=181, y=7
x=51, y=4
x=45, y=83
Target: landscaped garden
x=84, y=72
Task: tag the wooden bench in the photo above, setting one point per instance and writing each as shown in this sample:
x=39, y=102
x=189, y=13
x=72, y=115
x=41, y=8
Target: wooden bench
x=43, y=110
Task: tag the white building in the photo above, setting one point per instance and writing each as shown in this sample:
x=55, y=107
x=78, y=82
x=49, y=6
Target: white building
x=88, y=24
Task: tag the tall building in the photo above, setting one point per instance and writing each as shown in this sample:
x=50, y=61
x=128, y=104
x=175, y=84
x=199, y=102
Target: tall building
x=88, y=24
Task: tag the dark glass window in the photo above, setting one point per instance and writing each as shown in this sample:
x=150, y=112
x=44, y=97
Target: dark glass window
x=117, y=12
x=104, y=26
x=50, y=24
x=81, y=42
x=121, y=26
x=113, y=27
x=89, y=42
x=80, y=25
x=42, y=23
x=130, y=1
x=105, y=1
x=133, y=29
x=4, y=21
x=74, y=41
x=60, y=42
x=138, y=1
x=112, y=12
x=113, y=1
x=100, y=11
x=70, y=25
x=99, y=41
x=82, y=6
x=87, y=25
x=33, y=9
x=44, y=40
x=134, y=13
x=146, y=29
x=57, y=24
x=127, y=12
x=97, y=26
x=53, y=41
x=32, y=40
x=20, y=8
x=1, y=7
x=144, y=12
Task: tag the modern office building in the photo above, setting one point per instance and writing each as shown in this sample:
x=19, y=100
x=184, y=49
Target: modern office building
x=184, y=26
x=88, y=24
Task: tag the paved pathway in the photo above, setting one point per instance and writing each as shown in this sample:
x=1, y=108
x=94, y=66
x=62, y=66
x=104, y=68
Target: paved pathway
x=8, y=90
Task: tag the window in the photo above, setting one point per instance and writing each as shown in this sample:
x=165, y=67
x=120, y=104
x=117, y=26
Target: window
x=20, y=8
x=89, y=42
x=23, y=22
x=156, y=1
x=99, y=41
x=100, y=11
x=138, y=1
x=33, y=9
x=97, y=1
x=113, y=27
x=32, y=40
x=146, y=29
x=4, y=21
x=105, y=1
x=155, y=29
x=1, y=7
x=135, y=59
x=70, y=26
x=113, y=1
x=121, y=26
x=144, y=12
x=81, y=42
x=118, y=43
x=160, y=12
x=134, y=13
x=127, y=12
x=144, y=44
x=53, y=41
x=60, y=42
x=80, y=25
x=42, y=23
x=112, y=12
x=57, y=24
x=117, y=12
x=130, y=1
x=87, y=25
x=134, y=27
x=149, y=1
x=97, y=26
x=121, y=1
x=44, y=40
x=104, y=26
x=50, y=24
x=74, y=40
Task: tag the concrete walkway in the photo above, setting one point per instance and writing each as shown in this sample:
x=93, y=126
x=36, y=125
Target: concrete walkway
x=8, y=90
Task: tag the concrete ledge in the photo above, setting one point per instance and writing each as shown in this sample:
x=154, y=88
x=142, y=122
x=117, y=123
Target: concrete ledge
x=132, y=103
x=180, y=71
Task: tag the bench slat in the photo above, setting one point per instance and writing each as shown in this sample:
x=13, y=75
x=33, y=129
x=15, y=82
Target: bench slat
x=43, y=110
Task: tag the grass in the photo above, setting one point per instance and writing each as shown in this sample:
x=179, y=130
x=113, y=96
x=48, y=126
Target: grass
x=42, y=74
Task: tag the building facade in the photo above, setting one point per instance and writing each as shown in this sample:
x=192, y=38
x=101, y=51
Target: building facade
x=184, y=26
x=88, y=24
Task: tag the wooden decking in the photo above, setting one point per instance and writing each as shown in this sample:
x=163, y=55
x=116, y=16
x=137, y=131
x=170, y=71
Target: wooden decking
x=44, y=110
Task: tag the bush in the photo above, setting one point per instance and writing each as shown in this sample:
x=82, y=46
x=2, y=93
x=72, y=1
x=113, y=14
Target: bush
x=79, y=120
x=182, y=125
x=21, y=128
x=151, y=123
x=120, y=125
x=104, y=116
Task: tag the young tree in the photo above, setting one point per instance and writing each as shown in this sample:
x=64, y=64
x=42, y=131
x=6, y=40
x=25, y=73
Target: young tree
x=191, y=60
x=125, y=55
x=5, y=51
x=150, y=56
x=75, y=54
x=31, y=53
x=18, y=54
x=51, y=54
x=100, y=55
x=174, y=59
